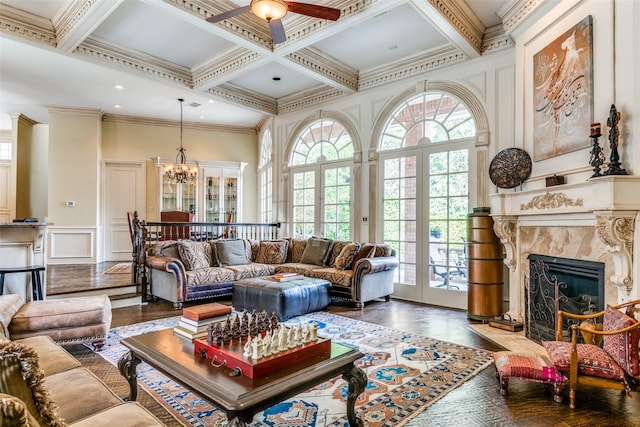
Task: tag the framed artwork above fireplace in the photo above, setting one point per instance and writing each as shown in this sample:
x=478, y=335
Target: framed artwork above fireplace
x=563, y=92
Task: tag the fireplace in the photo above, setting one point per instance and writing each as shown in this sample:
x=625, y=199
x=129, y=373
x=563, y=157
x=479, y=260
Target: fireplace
x=572, y=285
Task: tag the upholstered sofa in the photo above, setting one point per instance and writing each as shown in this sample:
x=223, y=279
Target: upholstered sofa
x=41, y=384
x=184, y=270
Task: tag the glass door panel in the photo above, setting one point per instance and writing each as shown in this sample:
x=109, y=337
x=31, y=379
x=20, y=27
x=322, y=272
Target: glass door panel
x=337, y=203
x=230, y=199
x=169, y=194
x=212, y=199
x=189, y=193
x=304, y=184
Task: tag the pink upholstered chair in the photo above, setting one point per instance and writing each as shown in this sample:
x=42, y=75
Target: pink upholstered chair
x=614, y=365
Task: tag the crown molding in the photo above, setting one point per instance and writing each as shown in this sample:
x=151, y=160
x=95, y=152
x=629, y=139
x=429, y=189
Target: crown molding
x=308, y=98
x=245, y=97
x=495, y=39
x=89, y=112
x=118, y=118
x=407, y=67
x=513, y=14
x=27, y=121
x=223, y=65
x=136, y=61
x=27, y=26
x=322, y=64
x=462, y=19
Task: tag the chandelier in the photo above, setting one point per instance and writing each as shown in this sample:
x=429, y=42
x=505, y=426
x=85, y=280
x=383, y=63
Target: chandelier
x=181, y=171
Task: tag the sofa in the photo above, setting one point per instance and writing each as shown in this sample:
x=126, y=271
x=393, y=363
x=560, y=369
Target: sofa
x=182, y=271
x=41, y=384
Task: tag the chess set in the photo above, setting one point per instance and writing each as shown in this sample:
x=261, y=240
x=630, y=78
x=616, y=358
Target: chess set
x=255, y=344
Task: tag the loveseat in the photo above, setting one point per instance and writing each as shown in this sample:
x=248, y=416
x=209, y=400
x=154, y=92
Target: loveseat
x=184, y=270
x=41, y=384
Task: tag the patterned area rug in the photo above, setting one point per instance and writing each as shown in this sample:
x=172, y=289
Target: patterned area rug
x=120, y=268
x=406, y=374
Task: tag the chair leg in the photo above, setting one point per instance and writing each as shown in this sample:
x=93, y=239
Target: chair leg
x=557, y=393
x=572, y=398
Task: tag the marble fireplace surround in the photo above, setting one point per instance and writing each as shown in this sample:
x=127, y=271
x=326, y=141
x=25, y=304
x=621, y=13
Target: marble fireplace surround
x=596, y=220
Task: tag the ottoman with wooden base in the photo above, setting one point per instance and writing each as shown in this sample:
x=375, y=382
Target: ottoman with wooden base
x=73, y=320
x=526, y=366
x=285, y=299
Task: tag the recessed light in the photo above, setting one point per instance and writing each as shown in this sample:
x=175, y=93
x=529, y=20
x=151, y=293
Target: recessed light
x=117, y=106
x=119, y=87
x=211, y=101
x=202, y=117
x=276, y=79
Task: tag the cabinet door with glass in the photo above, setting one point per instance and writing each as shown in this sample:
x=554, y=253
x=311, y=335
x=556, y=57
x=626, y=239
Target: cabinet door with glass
x=178, y=197
x=222, y=194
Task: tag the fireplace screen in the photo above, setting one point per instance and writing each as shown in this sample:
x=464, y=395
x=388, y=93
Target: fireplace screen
x=570, y=285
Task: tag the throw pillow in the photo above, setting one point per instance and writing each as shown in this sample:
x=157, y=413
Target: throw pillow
x=623, y=348
x=231, y=252
x=344, y=261
x=13, y=412
x=195, y=255
x=316, y=251
x=21, y=376
x=272, y=252
x=296, y=249
x=367, y=250
x=382, y=249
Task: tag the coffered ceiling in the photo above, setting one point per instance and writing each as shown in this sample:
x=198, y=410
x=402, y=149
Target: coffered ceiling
x=72, y=54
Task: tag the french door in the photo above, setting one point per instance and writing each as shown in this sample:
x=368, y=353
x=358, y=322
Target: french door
x=321, y=196
x=424, y=205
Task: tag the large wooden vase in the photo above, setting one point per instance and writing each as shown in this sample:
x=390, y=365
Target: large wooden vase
x=485, y=263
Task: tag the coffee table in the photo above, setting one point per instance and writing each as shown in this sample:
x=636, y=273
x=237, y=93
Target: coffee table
x=238, y=396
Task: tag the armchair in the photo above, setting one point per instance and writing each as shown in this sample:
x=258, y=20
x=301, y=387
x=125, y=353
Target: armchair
x=614, y=365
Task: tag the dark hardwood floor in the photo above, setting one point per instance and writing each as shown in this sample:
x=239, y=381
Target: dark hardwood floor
x=477, y=402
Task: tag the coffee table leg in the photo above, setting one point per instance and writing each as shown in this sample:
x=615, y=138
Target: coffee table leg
x=357, y=380
x=127, y=366
x=235, y=420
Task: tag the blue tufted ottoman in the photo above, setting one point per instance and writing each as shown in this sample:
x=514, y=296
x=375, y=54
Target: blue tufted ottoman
x=285, y=299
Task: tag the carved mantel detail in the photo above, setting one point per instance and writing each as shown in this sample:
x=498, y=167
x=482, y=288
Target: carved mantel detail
x=551, y=201
x=505, y=228
x=616, y=231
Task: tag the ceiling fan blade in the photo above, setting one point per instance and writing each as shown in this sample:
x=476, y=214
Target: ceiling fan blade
x=277, y=31
x=313, y=10
x=228, y=14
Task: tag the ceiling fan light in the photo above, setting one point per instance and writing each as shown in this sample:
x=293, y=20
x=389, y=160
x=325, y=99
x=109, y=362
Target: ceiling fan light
x=269, y=9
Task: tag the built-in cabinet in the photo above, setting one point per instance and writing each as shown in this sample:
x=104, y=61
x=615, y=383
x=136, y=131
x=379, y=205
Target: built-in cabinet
x=214, y=196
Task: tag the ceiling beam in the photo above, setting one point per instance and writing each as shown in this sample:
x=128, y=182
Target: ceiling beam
x=79, y=20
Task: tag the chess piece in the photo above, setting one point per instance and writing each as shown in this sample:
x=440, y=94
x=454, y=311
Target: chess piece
x=314, y=331
x=266, y=345
x=247, y=348
x=274, y=321
x=256, y=346
x=297, y=335
x=282, y=338
x=306, y=333
x=291, y=342
x=235, y=327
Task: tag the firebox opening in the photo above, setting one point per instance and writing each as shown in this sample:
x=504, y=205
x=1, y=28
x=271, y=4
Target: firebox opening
x=571, y=285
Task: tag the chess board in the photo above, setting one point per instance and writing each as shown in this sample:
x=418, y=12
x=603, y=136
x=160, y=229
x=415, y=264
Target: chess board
x=230, y=355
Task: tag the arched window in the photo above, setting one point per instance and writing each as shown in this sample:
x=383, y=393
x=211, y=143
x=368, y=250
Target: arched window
x=265, y=176
x=424, y=160
x=321, y=166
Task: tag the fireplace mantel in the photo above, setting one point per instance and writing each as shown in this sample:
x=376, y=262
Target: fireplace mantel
x=609, y=206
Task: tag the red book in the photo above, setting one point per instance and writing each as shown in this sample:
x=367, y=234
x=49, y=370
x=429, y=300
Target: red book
x=206, y=311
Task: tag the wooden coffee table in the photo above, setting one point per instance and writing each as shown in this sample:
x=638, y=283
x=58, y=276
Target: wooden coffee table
x=240, y=397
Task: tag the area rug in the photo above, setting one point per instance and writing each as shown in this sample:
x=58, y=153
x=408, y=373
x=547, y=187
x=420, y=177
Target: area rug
x=120, y=268
x=406, y=374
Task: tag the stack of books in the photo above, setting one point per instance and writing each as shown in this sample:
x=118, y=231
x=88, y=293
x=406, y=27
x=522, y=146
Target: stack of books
x=284, y=277
x=195, y=320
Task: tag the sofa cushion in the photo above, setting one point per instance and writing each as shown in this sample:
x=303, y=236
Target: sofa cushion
x=295, y=267
x=296, y=248
x=9, y=306
x=272, y=252
x=253, y=269
x=344, y=260
x=367, y=250
x=316, y=251
x=21, y=376
x=14, y=412
x=209, y=275
x=195, y=255
x=253, y=247
x=336, y=249
x=168, y=248
x=382, y=249
x=132, y=413
x=592, y=360
x=333, y=275
x=58, y=359
x=231, y=252
x=623, y=348
x=79, y=393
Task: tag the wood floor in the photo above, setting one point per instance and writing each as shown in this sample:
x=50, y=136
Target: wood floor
x=477, y=402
